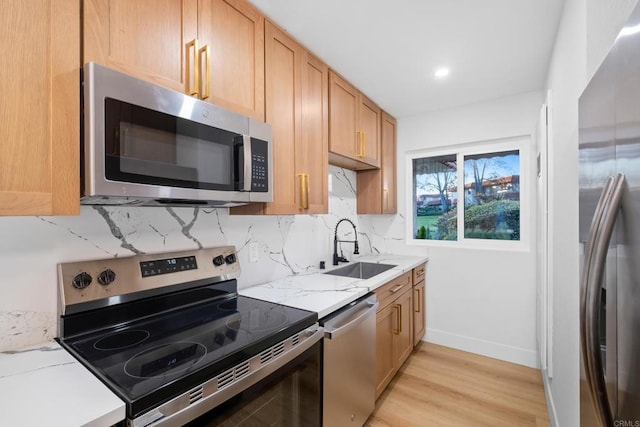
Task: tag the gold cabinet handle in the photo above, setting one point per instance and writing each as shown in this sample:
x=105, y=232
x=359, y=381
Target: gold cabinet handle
x=419, y=299
x=385, y=195
x=308, y=192
x=196, y=68
x=398, y=307
x=396, y=289
x=302, y=189
x=305, y=189
x=207, y=70
x=358, y=143
x=361, y=143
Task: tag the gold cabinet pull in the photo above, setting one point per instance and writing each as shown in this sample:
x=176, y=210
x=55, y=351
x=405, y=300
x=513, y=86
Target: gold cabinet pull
x=308, y=190
x=196, y=68
x=207, y=70
x=398, y=307
x=419, y=300
x=385, y=194
x=360, y=143
x=302, y=189
x=396, y=289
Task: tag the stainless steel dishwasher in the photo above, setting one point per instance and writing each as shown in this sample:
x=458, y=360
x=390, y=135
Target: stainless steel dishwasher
x=349, y=388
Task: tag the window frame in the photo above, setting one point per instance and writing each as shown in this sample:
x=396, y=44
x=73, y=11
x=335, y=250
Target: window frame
x=520, y=143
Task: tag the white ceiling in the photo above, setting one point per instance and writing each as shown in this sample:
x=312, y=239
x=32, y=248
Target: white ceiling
x=390, y=49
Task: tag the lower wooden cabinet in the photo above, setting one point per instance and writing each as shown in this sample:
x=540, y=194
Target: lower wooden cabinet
x=419, y=320
x=419, y=302
x=394, y=333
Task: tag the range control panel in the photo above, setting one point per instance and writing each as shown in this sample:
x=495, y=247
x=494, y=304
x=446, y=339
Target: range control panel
x=88, y=281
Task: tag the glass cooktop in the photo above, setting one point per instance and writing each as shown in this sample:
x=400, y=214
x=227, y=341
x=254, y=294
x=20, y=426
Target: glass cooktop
x=152, y=359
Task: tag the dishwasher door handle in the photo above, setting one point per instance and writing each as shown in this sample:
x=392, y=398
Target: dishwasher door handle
x=331, y=332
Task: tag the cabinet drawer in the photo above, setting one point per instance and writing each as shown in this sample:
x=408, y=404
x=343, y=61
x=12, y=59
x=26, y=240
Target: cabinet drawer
x=389, y=291
x=418, y=273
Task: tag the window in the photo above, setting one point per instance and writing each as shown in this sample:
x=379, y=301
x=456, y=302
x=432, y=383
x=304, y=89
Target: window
x=470, y=193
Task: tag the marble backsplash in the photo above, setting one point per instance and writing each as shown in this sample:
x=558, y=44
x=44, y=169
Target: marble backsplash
x=31, y=247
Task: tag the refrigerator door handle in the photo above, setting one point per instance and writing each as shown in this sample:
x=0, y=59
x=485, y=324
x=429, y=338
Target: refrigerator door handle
x=594, y=274
x=586, y=267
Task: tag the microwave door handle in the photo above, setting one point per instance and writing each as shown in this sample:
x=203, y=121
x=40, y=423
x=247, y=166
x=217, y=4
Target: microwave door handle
x=248, y=162
x=594, y=368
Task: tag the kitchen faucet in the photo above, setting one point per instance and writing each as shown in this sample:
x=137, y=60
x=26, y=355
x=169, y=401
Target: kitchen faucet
x=341, y=258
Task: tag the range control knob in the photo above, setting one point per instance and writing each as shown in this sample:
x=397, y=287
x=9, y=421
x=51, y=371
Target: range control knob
x=106, y=277
x=230, y=259
x=218, y=261
x=82, y=280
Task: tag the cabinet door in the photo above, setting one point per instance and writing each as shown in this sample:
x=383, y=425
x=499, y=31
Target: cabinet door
x=283, y=60
x=385, y=359
x=39, y=109
x=403, y=334
x=377, y=187
x=388, y=164
x=313, y=153
x=143, y=38
x=234, y=32
x=343, y=113
x=369, y=124
x=419, y=320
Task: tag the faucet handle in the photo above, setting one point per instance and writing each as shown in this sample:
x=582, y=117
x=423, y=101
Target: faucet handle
x=356, y=249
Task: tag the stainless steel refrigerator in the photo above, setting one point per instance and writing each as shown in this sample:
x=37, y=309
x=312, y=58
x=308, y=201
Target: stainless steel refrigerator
x=609, y=155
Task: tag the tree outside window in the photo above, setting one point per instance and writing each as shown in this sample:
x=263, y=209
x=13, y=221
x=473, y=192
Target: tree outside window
x=436, y=198
x=492, y=196
x=489, y=192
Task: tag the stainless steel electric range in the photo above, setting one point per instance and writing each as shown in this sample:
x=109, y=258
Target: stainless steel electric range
x=169, y=334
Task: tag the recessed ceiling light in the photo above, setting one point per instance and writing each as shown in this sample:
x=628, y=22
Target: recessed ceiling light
x=441, y=72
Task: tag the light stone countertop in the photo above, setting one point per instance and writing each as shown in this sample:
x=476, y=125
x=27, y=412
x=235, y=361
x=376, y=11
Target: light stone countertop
x=324, y=293
x=45, y=386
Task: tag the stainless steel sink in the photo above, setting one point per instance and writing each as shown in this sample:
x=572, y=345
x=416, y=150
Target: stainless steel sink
x=360, y=270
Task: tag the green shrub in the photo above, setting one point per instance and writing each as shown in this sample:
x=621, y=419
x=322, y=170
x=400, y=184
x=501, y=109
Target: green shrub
x=498, y=219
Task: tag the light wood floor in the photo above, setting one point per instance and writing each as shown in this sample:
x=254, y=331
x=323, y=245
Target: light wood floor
x=440, y=386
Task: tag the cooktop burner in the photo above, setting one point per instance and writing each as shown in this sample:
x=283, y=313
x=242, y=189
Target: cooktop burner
x=259, y=320
x=121, y=340
x=165, y=359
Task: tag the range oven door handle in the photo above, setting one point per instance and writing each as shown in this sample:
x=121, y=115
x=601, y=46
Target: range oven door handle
x=593, y=274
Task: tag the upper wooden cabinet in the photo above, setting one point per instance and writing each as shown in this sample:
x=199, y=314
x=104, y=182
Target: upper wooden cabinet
x=354, y=126
x=39, y=109
x=297, y=110
x=144, y=38
x=377, y=188
x=234, y=32
x=213, y=49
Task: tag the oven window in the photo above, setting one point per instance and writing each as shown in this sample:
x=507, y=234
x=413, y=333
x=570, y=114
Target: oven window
x=289, y=397
x=149, y=147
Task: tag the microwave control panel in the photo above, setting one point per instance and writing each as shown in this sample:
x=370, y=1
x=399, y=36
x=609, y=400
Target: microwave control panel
x=259, y=165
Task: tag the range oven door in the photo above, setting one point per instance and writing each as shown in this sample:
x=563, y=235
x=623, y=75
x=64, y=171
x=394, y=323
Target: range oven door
x=291, y=396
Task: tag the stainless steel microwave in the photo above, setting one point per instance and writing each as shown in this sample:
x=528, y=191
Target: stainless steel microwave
x=148, y=145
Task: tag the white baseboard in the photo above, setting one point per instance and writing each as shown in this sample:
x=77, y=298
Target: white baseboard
x=495, y=350
x=551, y=408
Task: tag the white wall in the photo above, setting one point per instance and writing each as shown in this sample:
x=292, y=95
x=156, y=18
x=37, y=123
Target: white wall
x=587, y=30
x=478, y=300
